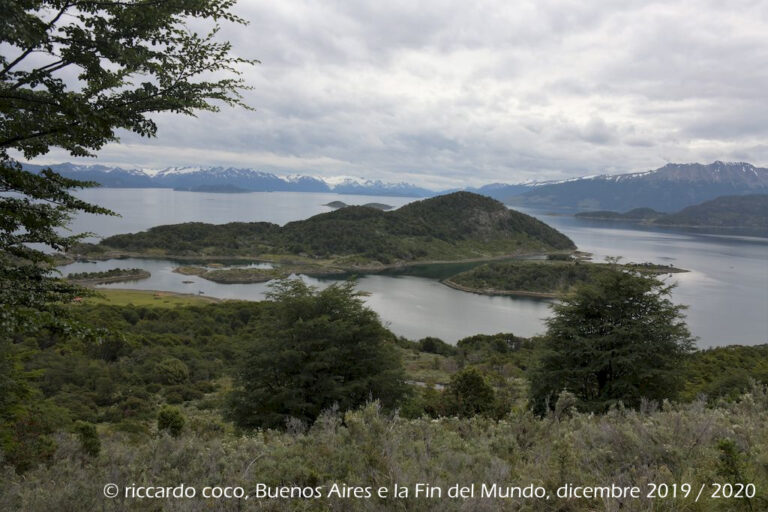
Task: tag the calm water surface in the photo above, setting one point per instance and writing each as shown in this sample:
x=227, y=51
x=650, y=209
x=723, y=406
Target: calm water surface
x=726, y=290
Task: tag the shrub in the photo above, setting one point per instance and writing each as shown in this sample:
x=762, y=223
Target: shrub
x=171, y=420
x=172, y=371
x=89, y=438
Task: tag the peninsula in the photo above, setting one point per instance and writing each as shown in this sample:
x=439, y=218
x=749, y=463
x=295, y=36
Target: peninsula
x=545, y=279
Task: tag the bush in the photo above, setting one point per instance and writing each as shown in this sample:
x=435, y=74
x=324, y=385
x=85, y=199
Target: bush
x=89, y=438
x=171, y=420
x=172, y=371
x=468, y=394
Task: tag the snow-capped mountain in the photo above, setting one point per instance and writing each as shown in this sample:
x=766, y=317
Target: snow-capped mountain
x=378, y=188
x=669, y=188
x=108, y=176
x=248, y=179
x=193, y=177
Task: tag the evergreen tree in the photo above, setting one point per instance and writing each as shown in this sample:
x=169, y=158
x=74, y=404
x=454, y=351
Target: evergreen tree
x=319, y=349
x=617, y=339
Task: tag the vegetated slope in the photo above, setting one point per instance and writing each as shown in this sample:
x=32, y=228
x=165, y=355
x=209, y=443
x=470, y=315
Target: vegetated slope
x=668, y=188
x=749, y=211
x=539, y=278
x=452, y=227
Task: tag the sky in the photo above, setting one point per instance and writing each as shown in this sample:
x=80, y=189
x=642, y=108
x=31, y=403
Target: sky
x=448, y=94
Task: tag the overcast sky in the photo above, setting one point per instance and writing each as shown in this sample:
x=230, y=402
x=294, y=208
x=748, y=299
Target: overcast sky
x=444, y=94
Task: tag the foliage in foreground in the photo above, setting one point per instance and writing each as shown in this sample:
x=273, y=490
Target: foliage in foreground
x=317, y=349
x=616, y=339
x=679, y=444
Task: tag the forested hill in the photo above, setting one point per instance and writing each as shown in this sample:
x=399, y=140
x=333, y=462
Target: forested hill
x=456, y=226
x=729, y=211
x=748, y=211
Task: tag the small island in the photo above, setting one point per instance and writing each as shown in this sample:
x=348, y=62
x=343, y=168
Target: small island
x=636, y=215
x=115, y=275
x=214, y=189
x=545, y=279
x=341, y=204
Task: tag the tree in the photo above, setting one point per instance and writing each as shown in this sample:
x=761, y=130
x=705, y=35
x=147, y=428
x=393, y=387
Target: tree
x=468, y=394
x=617, y=339
x=318, y=349
x=73, y=72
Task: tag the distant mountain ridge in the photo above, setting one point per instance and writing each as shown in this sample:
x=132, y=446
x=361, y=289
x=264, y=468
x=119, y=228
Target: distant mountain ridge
x=669, y=188
x=191, y=178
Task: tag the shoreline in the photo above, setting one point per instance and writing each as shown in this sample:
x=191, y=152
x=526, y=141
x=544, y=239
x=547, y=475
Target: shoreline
x=646, y=223
x=504, y=293
x=333, y=268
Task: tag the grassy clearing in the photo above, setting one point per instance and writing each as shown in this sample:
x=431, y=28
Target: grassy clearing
x=115, y=297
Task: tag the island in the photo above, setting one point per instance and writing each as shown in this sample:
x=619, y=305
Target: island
x=545, y=279
x=462, y=226
x=216, y=189
x=115, y=275
x=746, y=212
x=635, y=215
x=341, y=204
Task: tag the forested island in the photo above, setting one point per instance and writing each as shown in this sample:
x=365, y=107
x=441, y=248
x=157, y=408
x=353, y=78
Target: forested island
x=454, y=227
x=115, y=275
x=546, y=279
x=746, y=211
x=341, y=204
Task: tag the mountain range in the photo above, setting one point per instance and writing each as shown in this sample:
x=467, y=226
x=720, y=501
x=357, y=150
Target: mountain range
x=667, y=189
x=192, y=178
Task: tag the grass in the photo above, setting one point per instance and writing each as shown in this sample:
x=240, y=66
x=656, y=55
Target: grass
x=116, y=297
x=428, y=368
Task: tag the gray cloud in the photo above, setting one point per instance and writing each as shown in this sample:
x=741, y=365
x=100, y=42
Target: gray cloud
x=451, y=93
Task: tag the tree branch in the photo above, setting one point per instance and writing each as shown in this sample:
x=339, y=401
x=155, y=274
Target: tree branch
x=29, y=50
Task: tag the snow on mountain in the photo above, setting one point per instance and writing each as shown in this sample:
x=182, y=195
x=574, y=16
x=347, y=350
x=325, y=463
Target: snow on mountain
x=191, y=177
x=668, y=188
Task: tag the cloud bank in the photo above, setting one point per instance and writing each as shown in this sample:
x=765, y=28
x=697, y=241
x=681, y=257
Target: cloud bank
x=445, y=94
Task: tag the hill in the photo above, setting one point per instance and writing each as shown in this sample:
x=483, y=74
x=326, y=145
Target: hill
x=453, y=227
x=747, y=211
x=668, y=188
x=729, y=211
